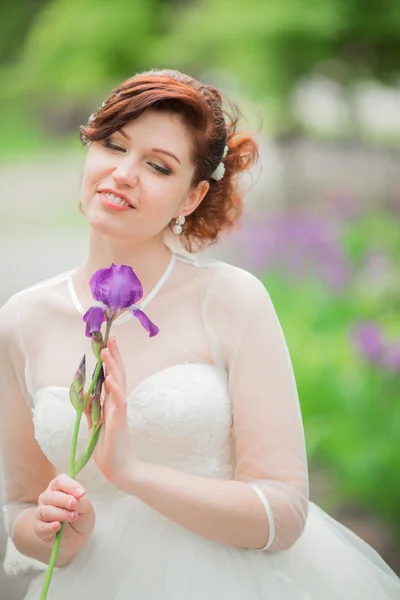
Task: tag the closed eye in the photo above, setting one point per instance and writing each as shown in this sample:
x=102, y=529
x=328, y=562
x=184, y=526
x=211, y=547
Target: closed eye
x=115, y=148
x=160, y=169
x=112, y=146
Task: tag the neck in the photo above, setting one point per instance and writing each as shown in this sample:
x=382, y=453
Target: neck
x=148, y=259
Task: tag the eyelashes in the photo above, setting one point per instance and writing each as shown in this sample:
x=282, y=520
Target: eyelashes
x=160, y=169
x=112, y=146
x=115, y=148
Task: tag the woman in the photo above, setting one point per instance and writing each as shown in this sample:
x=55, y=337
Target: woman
x=198, y=487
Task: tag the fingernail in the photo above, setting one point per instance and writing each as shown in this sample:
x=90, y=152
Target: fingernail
x=80, y=492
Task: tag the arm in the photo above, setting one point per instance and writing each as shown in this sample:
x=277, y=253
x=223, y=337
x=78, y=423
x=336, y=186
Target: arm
x=28, y=543
x=26, y=471
x=266, y=505
x=227, y=512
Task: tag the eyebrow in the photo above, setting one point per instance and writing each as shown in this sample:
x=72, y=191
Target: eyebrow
x=166, y=152
x=126, y=136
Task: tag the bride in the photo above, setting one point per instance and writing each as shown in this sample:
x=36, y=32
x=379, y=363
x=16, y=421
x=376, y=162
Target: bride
x=198, y=487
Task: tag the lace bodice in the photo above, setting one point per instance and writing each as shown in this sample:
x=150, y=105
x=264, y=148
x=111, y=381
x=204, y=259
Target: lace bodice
x=212, y=394
x=179, y=417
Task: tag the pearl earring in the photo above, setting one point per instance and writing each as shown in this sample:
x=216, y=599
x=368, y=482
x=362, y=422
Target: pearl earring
x=179, y=221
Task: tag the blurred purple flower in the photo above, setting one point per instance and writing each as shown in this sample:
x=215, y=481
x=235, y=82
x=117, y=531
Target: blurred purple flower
x=298, y=245
x=391, y=357
x=372, y=345
x=369, y=340
x=115, y=290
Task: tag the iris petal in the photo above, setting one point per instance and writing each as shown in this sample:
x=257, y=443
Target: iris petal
x=145, y=321
x=118, y=287
x=94, y=318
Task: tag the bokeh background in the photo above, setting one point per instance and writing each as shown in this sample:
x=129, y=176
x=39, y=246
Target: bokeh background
x=319, y=82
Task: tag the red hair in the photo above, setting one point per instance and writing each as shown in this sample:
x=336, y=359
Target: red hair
x=211, y=128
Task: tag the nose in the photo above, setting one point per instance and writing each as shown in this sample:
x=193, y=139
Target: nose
x=125, y=173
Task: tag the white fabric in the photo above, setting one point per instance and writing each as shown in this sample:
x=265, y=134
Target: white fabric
x=270, y=516
x=213, y=394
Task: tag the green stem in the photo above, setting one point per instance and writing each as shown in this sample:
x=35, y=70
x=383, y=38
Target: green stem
x=72, y=455
x=52, y=564
x=78, y=418
x=76, y=467
x=91, y=445
x=79, y=414
x=87, y=453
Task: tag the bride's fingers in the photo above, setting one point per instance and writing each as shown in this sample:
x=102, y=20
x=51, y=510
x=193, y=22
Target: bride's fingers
x=112, y=367
x=115, y=353
x=116, y=392
x=109, y=362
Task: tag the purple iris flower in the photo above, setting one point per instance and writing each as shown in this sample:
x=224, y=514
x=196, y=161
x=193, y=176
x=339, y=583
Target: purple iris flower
x=115, y=290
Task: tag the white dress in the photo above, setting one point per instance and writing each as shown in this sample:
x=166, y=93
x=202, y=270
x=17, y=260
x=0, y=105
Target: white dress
x=212, y=395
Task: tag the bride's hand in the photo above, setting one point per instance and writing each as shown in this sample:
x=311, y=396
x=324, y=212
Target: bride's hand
x=64, y=500
x=114, y=453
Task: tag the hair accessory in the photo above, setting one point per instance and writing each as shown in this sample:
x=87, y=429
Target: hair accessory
x=219, y=172
x=179, y=221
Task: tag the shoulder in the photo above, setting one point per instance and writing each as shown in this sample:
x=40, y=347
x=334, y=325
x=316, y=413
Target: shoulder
x=228, y=287
x=8, y=320
x=31, y=302
x=236, y=286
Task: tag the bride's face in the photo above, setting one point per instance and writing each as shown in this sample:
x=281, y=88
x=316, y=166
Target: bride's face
x=139, y=179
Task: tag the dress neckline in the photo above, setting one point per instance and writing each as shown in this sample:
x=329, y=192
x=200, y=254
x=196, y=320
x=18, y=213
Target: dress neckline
x=141, y=305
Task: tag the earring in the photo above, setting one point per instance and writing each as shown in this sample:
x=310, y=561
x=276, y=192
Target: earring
x=179, y=221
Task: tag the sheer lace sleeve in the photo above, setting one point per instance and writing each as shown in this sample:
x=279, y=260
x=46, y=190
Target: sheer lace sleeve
x=26, y=471
x=267, y=425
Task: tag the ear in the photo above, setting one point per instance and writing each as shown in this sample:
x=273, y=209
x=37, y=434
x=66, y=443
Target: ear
x=195, y=198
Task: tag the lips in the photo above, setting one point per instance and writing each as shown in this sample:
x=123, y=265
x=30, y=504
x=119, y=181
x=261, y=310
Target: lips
x=112, y=205
x=117, y=198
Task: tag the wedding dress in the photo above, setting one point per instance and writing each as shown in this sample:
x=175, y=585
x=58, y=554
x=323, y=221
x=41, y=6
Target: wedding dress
x=212, y=395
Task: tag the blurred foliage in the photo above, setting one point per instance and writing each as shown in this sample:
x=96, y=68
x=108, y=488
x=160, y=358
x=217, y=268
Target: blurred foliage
x=76, y=50
x=76, y=47
x=271, y=45
x=350, y=404
x=16, y=20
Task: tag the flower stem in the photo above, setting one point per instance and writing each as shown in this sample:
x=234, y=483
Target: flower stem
x=79, y=413
x=52, y=564
x=76, y=467
x=78, y=418
x=87, y=453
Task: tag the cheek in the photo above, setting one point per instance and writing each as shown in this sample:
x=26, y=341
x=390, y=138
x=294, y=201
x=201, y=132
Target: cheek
x=93, y=172
x=163, y=194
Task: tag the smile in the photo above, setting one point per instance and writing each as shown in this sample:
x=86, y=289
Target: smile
x=115, y=199
x=114, y=202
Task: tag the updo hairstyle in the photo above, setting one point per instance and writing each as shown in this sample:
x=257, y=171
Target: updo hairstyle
x=210, y=127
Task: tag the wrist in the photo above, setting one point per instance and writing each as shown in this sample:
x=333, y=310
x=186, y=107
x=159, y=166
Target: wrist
x=129, y=481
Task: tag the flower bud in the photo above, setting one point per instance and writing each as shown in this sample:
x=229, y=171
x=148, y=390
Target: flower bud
x=76, y=398
x=97, y=343
x=78, y=383
x=80, y=376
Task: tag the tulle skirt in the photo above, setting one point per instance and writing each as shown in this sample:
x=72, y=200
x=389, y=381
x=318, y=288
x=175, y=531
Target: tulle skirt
x=136, y=554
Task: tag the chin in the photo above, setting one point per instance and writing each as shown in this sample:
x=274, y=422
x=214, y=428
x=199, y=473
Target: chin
x=105, y=226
